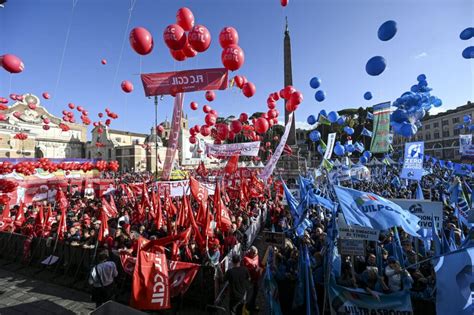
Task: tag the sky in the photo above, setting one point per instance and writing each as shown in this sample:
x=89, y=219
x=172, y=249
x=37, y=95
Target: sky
x=331, y=39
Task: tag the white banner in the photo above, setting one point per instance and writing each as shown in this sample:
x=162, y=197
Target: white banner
x=352, y=247
x=178, y=187
x=358, y=233
x=244, y=149
x=464, y=142
x=330, y=145
x=268, y=169
x=424, y=210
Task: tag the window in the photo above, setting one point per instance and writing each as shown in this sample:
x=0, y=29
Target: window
x=445, y=122
x=118, y=139
x=110, y=154
x=428, y=136
x=427, y=126
x=118, y=152
x=446, y=133
x=455, y=120
x=457, y=132
x=436, y=135
x=435, y=125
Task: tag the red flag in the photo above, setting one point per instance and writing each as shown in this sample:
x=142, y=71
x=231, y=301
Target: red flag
x=128, y=262
x=104, y=226
x=107, y=208
x=232, y=165
x=39, y=222
x=20, y=215
x=198, y=191
x=223, y=221
x=198, y=236
x=6, y=220
x=61, y=200
x=201, y=170
x=62, y=229
x=112, y=204
x=159, y=215
x=49, y=221
x=181, y=275
x=150, y=286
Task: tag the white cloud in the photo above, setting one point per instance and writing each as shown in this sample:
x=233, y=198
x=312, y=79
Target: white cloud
x=303, y=125
x=421, y=55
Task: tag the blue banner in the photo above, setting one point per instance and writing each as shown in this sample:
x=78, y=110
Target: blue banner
x=413, y=161
x=455, y=283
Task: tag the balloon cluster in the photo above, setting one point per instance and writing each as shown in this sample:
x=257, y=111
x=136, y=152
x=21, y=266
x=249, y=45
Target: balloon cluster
x=315, y=83
x=21, y=136
x=412, y=107
x=11, y=63
x=7, y=186
x=232, y=56
x=466, y=34
x=184, y=45
x=29, y=167
x=247, y=87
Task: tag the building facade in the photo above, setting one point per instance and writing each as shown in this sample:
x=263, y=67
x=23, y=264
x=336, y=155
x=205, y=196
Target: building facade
x=27, y=116
x=440, y=133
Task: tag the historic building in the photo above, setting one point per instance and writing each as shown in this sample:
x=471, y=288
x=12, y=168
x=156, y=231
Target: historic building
x=440, y=133
x=27, y=117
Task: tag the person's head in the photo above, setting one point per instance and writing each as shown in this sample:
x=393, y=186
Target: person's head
x=407, y=246
x=392, y=261
x=103, y=256
x=236, y=260
x=372, y=272
x=371, y=259
x=253, y=251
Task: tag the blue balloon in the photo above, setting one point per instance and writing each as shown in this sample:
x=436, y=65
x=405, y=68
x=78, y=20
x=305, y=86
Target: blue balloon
x=311, y=120
x=375, y=66
x=367, y=154
x=471, y=128
x=341, y=121
x=467, y=118
x=363, y=160
x=323, y=113
x=414, y=88
x=315, y=82
x=320, y=96
x=350, y=148
x=333, y=117
x=367, y=96
x=437, y=102
x=321, y=150
x=339, y=149
x=421, y=77
x=387, y=30
x=468, y=53
x=467, y=33
x=314, y=135
x=407, y=129
x=349, y=130
x=399, y=115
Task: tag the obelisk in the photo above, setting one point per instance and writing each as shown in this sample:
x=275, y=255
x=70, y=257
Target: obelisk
x=288, y=81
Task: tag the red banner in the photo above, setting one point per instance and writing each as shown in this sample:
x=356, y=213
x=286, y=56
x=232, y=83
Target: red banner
x=184, y=81
x=150, y=286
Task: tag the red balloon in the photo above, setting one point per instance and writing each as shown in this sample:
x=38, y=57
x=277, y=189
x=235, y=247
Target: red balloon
x=239, y=81
x=46, y=127
x=284, y=3
x=127, y=87
x=205, y=131
x=199, y=38
x=178, y=55
x=71, y=105
x=141, y=40
x=272, y=113
x=217, y=141
x=189, y=51
x=210, y=96
x=249, y=89
x=264, y=115
x=261, y=125
x=185, y=18
x=100, y=115
x=290, y=107
x=103, y=61
x=296, y=98
x=213, y=112
x=11, y=63
x=222, y=131
x=192, y=140
x=243, y=117
x=160, y=129
x=32, y=106
x=194, y=105
x=287, y=91
x=233, y=57
x=231, y=135
x=84, y=112
x=210, y=120
x=46, y=95
x=275, y=96
x=174, y=37
x=271, y=103
x=79, y=108
x=236, y=126
x=206, y=109
x=228, y=36
x=197, y=128
x=108, y=122
x=3, y=117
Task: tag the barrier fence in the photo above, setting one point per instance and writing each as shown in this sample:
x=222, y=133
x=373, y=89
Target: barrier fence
x=33, y=257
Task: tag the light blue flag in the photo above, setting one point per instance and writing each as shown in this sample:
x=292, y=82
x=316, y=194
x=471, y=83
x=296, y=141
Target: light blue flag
x=436, y=240
x=455, y=283
x=366, y=132
x=446, y=247
x=319, y=200
x=419, y=192
x=291, y=200
x=370, y=116
x=370, y=210
x=270, y=288
x=396, y=182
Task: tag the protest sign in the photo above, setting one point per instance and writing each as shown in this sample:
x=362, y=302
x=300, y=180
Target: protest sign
x=358, y=233
x=424, y=210
x=330, y=146
x=352, y=247
x=274, y=238
x=413, y=160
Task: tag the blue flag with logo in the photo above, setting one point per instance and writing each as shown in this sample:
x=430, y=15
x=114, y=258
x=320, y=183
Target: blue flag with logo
x=455, y=283
x=419, y=192
x=366, y=132
x=291, y=200
x=413, y=161
x=372, y=211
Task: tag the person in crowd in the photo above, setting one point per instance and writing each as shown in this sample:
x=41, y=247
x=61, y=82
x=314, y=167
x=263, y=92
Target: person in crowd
x=239, y=278
x=102, y=279
x=252, y=263
x=396, y=275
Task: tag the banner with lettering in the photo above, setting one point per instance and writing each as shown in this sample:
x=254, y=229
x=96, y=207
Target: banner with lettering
x=413, y=160
x=179, y=187
x=174, y=136
x=350, y=301
x=268, y=169
x=425, y=210
x=464, y=141
x=330, y=146
x=184, y=81
x=150, y=285
x=243, y=149
x=380, y=139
